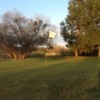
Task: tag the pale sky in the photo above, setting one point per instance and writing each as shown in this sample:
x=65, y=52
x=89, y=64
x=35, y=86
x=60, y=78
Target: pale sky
x=55, y=10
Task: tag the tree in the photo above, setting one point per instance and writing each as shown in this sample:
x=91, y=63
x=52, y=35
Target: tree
x=82, y=25
x=20, y=35
x=91, y=24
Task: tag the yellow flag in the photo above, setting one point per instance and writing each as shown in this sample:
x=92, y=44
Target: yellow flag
x=52, y=34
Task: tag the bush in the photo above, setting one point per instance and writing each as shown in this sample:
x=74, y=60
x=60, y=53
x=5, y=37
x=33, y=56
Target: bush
x=66, y=52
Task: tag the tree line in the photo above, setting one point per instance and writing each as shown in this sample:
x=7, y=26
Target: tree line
x=20, y=35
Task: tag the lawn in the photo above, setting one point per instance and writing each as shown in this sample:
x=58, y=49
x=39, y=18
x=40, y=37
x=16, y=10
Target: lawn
x=65, y=78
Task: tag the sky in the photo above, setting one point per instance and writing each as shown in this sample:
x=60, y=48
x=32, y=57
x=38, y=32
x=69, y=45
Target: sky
x=54, y=10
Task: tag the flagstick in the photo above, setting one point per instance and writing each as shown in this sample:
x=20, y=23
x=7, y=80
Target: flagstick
x=51, y=36
x=46, y=61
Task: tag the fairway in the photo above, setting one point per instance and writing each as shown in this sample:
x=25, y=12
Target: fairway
x=65, y=78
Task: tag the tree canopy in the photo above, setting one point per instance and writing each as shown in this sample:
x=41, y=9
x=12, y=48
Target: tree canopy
x=81, y=27
x=20, y=35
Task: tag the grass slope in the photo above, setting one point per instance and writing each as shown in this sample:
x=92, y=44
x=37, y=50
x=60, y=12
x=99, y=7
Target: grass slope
x=62, y=79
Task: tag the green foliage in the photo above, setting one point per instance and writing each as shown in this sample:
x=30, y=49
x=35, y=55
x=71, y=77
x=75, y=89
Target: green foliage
x=81, y=28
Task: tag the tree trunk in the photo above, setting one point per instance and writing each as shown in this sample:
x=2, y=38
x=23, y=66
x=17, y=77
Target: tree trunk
x=19, y=57
x=76, y=52
x=99, y=51
x=22, y=56
x=9, y=55
x=14, y=55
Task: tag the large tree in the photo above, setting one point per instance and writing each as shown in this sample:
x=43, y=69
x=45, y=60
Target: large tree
x=20, y=35
x=82, y=25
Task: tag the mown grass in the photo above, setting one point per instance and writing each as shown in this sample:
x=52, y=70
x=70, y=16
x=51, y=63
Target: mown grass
x=62, y=79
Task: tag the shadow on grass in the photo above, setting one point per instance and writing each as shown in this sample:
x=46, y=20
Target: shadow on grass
x=57, y=81
x=96, y=90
